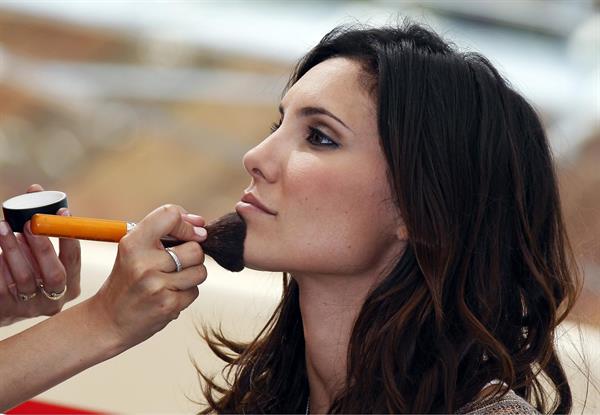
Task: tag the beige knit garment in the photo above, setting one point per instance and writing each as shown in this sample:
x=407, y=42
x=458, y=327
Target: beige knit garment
x=509, y=404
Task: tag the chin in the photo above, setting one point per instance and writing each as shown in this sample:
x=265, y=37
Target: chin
x=263, y=261
x=261, y=266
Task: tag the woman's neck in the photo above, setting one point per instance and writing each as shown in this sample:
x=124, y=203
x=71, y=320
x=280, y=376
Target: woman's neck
x=329, y=307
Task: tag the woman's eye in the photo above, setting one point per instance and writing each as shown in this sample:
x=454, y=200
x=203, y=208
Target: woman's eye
x=275, y=126
x=317, y=138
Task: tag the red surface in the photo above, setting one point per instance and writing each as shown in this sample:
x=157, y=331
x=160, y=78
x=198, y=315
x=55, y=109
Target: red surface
x=37, y=407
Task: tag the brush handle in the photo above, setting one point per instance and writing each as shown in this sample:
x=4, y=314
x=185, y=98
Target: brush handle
x=90, y=229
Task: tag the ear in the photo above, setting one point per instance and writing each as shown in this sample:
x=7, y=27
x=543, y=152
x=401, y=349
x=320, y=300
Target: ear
x=402, y=232
x=401, y=229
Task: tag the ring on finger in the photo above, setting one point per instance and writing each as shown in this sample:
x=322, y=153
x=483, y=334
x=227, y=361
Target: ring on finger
x=53, y=295
x=26, y=297
x=173, y=255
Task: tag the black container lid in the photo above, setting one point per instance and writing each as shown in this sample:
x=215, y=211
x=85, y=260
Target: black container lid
x=19, y=209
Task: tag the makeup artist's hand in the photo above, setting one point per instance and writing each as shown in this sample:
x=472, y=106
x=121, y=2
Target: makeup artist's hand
x=144, y=292
x=28, y=261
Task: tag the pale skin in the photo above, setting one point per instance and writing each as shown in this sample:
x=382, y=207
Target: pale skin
x=140, y=297
x=334, y=227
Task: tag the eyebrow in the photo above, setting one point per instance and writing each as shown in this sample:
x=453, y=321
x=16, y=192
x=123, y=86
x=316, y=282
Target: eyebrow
x=307, y=111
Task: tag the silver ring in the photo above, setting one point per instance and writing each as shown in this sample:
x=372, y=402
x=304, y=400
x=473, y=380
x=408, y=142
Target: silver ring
x=52, y=295
x=26, y=297
x=171, y=252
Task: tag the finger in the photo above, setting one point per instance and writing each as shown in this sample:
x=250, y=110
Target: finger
x=187, y=297
x=194, y=219
x=7, y=277
x=189, y=254
x=26, y=250
x=188, y=278
x=166, y=220
x=5, y=280
x=20, y=268
x=35, y=188
x=52, y=271
x=70, y=256
x=187, y=231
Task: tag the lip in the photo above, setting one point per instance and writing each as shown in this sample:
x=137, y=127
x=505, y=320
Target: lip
x=251, y=199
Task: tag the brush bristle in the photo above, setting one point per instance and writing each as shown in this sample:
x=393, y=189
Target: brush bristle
x=225, y=241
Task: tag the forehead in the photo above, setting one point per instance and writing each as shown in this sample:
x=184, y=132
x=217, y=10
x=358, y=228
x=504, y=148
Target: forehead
x=336, y=84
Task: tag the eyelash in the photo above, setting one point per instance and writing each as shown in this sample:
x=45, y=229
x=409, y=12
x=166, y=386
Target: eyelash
x=275, y=126
x=314, y=134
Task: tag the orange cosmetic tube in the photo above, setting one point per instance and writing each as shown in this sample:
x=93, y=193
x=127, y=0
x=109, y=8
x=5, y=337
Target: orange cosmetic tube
x=79, y=228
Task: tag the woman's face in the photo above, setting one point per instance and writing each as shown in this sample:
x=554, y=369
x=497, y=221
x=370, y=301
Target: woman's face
x=322, y=176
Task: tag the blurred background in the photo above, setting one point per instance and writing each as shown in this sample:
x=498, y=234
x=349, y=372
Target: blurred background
x=129, y=105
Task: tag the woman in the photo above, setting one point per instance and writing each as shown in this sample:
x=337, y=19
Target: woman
x=409, y=195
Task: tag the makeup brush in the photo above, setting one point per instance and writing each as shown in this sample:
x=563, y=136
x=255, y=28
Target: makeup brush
x=224, y=242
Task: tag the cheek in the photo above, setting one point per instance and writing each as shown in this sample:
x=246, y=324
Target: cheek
x=317, y=192
x=335, y=215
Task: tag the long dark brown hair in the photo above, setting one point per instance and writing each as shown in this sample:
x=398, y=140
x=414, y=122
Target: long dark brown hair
x=488, y=273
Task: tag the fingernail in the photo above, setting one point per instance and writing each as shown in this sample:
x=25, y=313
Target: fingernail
x=201, y=232
x=4, y=228
x=66, y=212
x=193, y=217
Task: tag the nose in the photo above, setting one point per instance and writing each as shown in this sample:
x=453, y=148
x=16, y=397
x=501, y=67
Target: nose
x=261, y=161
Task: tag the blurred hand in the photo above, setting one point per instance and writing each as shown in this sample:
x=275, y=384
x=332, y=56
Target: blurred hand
x=27, y=262
x=144, y=292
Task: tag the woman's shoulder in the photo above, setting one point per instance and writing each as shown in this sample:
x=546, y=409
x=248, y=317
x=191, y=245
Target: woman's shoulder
x=511, y=403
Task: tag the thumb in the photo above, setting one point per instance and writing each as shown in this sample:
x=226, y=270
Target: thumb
x=186, y=231
x=166, y=220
